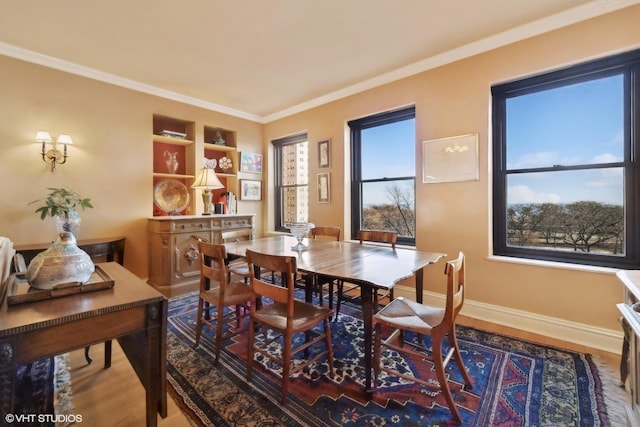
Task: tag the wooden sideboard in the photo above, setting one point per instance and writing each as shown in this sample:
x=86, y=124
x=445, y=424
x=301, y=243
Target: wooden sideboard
x=173, y=247
x=630, y=367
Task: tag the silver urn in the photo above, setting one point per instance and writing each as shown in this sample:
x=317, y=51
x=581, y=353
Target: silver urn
x=63, y=262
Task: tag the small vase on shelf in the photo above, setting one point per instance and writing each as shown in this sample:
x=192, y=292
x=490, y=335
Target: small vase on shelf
x=172, y=161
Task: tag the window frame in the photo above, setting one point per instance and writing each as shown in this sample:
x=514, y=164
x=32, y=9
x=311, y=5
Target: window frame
x=356, y=126
x=627, y=65
x=278, y=144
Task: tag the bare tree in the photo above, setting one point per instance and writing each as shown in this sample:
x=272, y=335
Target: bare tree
x=588, y=225
x=399, y=215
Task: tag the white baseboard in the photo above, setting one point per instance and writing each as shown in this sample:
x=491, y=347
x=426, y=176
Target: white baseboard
x=591, y=336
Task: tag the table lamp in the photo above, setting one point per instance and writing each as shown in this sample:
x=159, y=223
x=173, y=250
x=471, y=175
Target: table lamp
x=207, y=180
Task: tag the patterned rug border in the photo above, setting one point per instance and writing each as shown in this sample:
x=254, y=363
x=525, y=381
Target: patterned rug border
x=613, y=395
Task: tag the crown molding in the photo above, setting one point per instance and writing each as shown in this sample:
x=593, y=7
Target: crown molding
x=572, y=16
x=70, y=67
x=541, y=26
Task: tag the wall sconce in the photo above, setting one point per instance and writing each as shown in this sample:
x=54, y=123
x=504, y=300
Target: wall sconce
x=207, y=180
x=53, y=155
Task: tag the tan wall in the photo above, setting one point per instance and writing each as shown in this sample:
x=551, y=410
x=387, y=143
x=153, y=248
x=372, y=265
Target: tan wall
x=109, y=162
x=455, y=100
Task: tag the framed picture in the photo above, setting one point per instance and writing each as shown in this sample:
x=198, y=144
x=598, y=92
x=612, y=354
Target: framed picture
x=324, y=188
x=324, y=154
x=250, y=189
x=250, y=162
x=450, y=159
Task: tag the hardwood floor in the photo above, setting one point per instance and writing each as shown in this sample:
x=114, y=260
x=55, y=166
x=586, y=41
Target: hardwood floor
x=114, y=396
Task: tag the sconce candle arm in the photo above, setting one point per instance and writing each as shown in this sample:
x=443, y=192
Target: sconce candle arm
x=53, y=155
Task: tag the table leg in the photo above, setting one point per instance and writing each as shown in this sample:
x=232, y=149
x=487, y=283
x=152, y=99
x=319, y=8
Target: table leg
x=308, y=287
x=419, y=284
x=366, y=293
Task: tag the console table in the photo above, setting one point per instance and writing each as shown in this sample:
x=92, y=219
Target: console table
x=630, y=364
x=109, y=248
x=106, y=248
x=174, y=264
x=131, y=311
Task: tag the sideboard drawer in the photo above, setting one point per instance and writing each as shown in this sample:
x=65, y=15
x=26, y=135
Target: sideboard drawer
x=237, y=222
x=191, y=225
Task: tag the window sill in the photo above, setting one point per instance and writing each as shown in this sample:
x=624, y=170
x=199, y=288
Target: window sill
x=551, y=264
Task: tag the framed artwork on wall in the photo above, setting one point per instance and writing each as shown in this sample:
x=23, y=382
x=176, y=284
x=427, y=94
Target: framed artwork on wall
x=450, y=159
x=324, y=154
x=250, y=162
x=324, y=187
x=250, y=189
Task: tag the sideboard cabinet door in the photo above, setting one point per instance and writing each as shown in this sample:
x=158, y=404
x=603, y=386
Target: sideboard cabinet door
x=174, y=266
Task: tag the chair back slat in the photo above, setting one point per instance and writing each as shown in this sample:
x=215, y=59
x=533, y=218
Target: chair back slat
x=325, y=231
x=284, y=267
x=212, y=266
x=455, y=272
x=236, y=235
x=378, y=236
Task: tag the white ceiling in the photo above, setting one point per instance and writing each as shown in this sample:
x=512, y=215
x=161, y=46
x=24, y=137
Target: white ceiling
x=264, y=59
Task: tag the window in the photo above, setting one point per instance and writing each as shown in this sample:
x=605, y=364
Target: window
x=383, y=174
x=291, y=156
x=565, y=162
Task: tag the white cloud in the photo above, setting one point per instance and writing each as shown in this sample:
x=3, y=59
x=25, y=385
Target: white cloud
x=605, y=158
x=524, y=194
x=534, y=160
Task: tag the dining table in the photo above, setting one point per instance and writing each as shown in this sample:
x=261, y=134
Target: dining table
x=370, y=266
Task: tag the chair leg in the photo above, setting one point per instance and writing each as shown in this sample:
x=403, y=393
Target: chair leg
x=327, y=332
x=199, y=321
x=339, y=290
x=377, y=352
x=87, y=355
x=331, y=294
x=286, y=368
x=250, y=352
x=219, y=322
x=107, y=353
x=453, y=342
x=442, y=377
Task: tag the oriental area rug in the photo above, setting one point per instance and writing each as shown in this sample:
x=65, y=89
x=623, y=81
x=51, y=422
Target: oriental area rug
x=515, y=383
x=42, y=393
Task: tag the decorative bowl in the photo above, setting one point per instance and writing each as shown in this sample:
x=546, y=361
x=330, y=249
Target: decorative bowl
x=299, y=230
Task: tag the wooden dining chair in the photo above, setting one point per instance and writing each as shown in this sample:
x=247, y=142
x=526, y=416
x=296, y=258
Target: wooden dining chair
x=403, y=315
x=320, y=282
x=219, y=293
x=285, y=315
x=375, y=236
x=237, y=265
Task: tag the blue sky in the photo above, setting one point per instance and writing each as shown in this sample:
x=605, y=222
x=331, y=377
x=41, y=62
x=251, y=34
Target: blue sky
x=578, y=124
x=387, y=151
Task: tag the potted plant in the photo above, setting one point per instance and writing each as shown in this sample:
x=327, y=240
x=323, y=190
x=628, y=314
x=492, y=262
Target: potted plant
x=63, y=205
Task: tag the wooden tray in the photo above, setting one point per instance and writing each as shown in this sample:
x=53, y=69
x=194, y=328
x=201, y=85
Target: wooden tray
x=20, y=291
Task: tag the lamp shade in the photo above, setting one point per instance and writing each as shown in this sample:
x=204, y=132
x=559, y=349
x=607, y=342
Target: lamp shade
x=43, y=136
x=64, y=139
x=207, y=178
